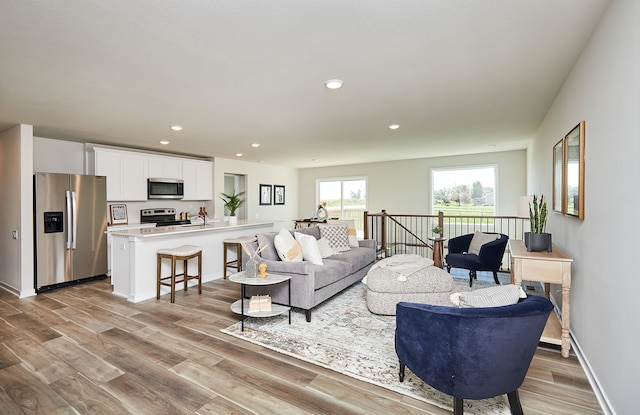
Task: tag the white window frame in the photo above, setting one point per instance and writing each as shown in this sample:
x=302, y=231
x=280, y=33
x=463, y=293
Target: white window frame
x=434, y=170
x=342, y=180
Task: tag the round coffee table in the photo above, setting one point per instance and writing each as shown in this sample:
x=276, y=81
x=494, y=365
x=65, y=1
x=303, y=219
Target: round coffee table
x=241, y=306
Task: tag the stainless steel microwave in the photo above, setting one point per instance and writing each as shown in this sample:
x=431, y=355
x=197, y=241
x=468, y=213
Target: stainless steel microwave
x=165, y=188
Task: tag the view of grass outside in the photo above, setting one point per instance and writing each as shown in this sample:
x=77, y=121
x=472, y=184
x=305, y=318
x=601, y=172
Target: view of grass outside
x=464, y=191
x=344, y=199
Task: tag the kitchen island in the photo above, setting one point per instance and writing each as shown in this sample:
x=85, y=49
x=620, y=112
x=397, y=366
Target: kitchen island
x=133, y=251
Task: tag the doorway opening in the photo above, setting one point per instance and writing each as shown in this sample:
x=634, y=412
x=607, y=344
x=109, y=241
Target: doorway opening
x=236, y=183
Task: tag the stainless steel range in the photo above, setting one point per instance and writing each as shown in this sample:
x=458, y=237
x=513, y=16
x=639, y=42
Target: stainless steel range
x=161, y=217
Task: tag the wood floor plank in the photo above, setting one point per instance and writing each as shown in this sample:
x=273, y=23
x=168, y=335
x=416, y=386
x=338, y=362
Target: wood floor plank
x=31, y=394
x=39, y=360
x=97, y=370
x=143, y=347
x=33, y=327
x=142, y=399
x=162, y=381
x=241, y=394
x=88, y=398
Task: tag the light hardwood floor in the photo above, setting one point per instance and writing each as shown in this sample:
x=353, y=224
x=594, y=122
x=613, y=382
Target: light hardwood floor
x=82, y=350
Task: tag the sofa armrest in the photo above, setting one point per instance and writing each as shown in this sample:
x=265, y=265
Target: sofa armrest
x=367, y=243
x=285, y=267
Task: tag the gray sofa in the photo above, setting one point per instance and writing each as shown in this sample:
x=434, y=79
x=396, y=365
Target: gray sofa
x=312, y=284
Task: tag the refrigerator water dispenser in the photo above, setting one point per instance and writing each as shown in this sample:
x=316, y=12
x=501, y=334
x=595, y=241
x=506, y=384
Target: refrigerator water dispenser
x=53, y=222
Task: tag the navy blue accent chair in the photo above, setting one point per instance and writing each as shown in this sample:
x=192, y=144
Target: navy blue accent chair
x=471, y=353
x=488, y=259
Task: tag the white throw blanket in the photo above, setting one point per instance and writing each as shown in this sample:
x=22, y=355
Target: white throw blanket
x=403, y=264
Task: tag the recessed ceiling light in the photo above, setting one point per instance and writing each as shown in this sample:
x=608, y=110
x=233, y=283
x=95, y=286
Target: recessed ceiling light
x=394, y=126
x=164, y=142
x=333, y=83
x=239, y=154
x=176, y=127
x=255, y=145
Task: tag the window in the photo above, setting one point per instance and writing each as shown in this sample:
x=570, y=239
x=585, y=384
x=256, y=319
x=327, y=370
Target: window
x=344, y=198
x=464, y=191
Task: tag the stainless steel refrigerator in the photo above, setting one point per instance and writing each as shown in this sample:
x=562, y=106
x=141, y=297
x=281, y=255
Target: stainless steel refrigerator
x=70, y=215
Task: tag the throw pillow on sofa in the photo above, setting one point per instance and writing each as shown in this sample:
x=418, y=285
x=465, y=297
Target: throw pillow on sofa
x=288, y=248
x=351, y=230
x=310, y=249
x=337, y=235
x=325, y=249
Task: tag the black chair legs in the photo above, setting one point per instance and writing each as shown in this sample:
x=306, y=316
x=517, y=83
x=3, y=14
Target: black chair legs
x=458, y=408
x=401, y=372
x=514, y=403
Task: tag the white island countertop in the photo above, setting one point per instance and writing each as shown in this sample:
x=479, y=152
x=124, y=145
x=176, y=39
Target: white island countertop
x=183, y=229
x=134, y=253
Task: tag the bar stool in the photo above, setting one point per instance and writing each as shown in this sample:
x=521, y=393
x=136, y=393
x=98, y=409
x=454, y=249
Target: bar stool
x=235, y=243
x=183, y=253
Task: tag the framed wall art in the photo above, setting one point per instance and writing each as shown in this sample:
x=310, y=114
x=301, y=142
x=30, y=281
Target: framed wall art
x=118, y=214
x=265, y=194
x=568, y=173
x=278, y=195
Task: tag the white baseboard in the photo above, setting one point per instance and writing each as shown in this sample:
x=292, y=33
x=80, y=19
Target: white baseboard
x=607, y=409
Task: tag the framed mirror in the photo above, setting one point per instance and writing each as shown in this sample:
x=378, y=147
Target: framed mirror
x=574, y=172
x=558, y=163
x=568, y=173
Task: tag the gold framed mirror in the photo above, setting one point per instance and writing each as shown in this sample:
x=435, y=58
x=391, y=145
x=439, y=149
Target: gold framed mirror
x=574, y=173
x=568, y=173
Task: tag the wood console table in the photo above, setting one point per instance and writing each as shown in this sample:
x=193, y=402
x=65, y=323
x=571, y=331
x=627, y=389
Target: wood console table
x=551, y=268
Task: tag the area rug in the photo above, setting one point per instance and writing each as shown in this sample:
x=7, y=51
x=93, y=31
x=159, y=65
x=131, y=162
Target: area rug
x=368, y=355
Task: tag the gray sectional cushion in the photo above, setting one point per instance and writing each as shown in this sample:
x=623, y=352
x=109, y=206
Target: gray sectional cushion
x=330, y=272
x=357, y=258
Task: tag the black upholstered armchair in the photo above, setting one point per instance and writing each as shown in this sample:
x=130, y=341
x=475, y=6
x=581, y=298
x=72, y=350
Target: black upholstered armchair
x=471, y=353
x=488, y=259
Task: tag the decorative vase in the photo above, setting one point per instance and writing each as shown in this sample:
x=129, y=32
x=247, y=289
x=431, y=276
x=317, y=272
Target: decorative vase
x=233, y=220
x=251, y=268
x=537, y=242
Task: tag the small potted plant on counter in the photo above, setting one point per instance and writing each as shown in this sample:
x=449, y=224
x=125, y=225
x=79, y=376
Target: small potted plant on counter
x=232, y=203
x=538, y=240
x=437, y=231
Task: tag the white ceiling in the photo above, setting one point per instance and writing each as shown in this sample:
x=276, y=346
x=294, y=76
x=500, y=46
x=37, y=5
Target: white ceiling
x=459, y=76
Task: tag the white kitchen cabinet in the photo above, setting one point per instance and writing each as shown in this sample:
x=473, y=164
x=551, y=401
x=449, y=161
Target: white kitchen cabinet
x=126, y=173
x=165, y=167
x=198, y=179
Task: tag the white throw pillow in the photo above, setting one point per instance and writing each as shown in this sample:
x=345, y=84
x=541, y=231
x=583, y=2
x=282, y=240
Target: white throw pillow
x=325, y=249
x=497, y=296
x=337, y=235
x=351, y=230
x=288, y=248
x=310, y=249
x=480, y=239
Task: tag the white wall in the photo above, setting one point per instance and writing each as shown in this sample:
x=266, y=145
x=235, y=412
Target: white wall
x=258, y=173
x=404, y=187
x=16, y=205
x=604, y=90
x=58, y=156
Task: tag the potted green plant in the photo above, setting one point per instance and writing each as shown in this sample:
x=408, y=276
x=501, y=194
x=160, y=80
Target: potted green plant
x=538, y=240
x=437, y=231
x=232, y=203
